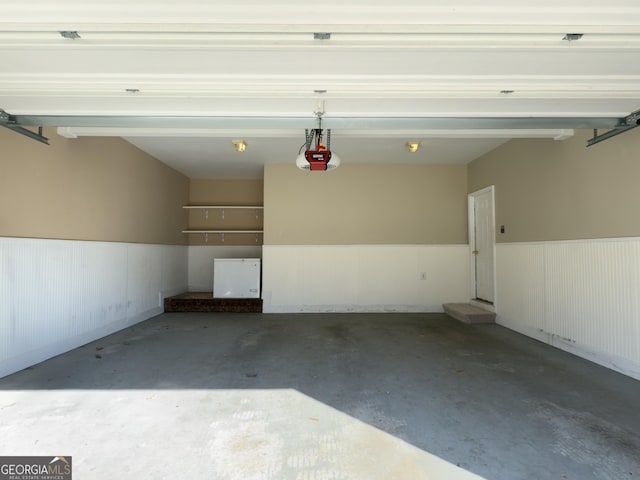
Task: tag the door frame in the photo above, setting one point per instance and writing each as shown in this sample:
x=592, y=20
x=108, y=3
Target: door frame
x=471, y=201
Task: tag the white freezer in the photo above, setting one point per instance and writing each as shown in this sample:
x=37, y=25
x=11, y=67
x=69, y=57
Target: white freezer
x=236, y=278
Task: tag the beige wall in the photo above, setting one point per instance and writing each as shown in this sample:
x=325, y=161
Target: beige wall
x=561, y=190
x=88, y=189
x=365, y=204
x=225, y=192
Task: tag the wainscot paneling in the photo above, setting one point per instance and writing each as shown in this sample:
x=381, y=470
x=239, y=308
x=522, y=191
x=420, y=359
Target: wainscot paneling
x=363, y=278
x=581, y=296
x=56, y=295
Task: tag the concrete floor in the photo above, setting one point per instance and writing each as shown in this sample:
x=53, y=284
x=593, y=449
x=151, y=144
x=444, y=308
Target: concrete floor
x=323, y=396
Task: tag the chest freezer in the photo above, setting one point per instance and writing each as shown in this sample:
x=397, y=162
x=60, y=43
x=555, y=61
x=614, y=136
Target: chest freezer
x=236, y=278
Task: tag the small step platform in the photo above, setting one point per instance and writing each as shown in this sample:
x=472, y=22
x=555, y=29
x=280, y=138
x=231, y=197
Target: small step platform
x=467, y=313
x=204, y=302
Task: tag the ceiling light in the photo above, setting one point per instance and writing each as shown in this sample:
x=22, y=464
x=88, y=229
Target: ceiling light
x=569, y=37
x=318, y=157
x=239, y=145
x=412, y=147
x=70, y=34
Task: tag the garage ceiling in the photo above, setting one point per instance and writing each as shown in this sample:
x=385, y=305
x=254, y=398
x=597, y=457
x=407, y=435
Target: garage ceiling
x=181, y=79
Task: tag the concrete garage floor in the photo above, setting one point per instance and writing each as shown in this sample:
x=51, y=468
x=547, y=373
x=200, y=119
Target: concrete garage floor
x=323, y=396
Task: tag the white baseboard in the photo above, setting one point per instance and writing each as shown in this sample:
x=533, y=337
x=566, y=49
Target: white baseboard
x=621, y=365
x=266, y=308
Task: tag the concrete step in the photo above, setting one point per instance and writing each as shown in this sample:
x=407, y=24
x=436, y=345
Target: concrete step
x=467, y=313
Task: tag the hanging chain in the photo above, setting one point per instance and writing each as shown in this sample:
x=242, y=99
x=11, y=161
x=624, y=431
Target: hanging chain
x=316, y=133
x=308, y=135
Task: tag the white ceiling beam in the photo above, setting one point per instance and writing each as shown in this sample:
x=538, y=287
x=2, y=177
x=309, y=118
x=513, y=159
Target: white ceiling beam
x=292, y=14
x=348, y=123
x=282, y=39
x=595, y=28
x=75, y=132
x=340, y=89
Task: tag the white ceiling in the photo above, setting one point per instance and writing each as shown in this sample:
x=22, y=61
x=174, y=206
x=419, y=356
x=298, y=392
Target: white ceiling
x=207, y=157
x=467, y=75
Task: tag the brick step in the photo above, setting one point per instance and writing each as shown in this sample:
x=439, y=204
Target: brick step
x=204, y=302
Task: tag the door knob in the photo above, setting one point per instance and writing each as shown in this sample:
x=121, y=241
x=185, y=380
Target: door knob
x=475, y=252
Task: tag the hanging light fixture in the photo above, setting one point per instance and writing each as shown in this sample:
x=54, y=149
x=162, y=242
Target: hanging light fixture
x=320, y=157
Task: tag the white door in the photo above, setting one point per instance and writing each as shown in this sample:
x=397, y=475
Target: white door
x=483, y=244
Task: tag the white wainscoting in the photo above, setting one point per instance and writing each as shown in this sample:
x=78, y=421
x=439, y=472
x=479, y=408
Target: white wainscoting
x=363, y=278
x=201, y=262
x=56, y=295
x=580, y=296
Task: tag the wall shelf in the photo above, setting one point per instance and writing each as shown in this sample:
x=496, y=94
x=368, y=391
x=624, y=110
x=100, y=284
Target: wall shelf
x=222, y=208
x=259, y=207
x=206, y=233
x=222, y=231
